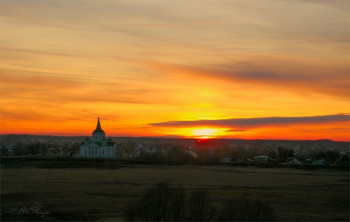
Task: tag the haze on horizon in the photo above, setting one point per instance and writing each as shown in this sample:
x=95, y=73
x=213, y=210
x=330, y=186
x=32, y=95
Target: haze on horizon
x=275, y=69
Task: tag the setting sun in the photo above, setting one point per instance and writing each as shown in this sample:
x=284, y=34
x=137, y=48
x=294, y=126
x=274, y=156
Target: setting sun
x=205, y=133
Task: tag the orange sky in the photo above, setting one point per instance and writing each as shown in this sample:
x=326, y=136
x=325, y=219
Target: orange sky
x=141, y=65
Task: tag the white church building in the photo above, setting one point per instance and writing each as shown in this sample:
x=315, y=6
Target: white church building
x=98, y=146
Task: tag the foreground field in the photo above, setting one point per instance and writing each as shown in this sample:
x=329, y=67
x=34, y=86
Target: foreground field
x=105, y=194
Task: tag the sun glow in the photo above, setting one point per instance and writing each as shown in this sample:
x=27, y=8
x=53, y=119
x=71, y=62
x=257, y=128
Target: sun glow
x=205, y=133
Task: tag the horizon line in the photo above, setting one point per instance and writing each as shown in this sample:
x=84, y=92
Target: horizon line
x=177, y=137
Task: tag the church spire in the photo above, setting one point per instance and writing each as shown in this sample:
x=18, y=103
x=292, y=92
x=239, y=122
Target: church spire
x=98, y=133
x=98, y=127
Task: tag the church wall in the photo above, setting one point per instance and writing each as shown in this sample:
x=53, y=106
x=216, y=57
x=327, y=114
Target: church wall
x=98, y=151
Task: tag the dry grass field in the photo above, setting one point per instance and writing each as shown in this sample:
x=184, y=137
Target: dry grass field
x=105, y=194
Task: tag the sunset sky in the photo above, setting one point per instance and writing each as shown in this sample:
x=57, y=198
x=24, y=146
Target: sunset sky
x=275, y=69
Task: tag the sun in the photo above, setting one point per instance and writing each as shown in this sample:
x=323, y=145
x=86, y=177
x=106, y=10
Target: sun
x=205, y=133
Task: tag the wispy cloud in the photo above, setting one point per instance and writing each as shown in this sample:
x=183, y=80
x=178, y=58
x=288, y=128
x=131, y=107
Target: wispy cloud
x=287, y=75
x=6, y=50
x=244, y=123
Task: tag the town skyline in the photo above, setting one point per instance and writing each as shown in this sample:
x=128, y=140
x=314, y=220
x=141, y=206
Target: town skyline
x=202, y=133
x=190, y=69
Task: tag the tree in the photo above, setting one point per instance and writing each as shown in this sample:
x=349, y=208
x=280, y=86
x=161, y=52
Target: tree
x=282, y=153
x=176, y=154
x=74, y=149
x=19, y=149
x=272, y=154
x=332, y=155
x=66, y=148
x=200, y=207
x=291, y=153
x=33, y=148
x=162, y=202
x=247, y=210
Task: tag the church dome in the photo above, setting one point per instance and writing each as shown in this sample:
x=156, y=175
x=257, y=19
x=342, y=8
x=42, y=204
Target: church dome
x=98, y=131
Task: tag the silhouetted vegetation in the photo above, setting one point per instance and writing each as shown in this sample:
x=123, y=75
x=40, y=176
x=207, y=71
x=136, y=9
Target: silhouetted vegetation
x=164, y=202
x=247, y=210
x=200, y=207
x=160, y=203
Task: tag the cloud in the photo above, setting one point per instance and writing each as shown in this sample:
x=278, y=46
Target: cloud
x=237, y=130
x=31, y=79
x=6, y=50
x=54, y=88
x=243, y=123
x=294, y=76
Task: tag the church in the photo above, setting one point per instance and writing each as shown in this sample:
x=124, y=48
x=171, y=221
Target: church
x=98, y=146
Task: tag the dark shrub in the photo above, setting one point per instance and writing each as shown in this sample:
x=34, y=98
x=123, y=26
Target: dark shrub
x=200, y=208
x=160, y=203
x=163, y=202
x=247, y=210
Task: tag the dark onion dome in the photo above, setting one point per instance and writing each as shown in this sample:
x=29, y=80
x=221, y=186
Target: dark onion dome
x=99, y=131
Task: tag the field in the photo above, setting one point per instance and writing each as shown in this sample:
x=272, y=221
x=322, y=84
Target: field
x=104, y=194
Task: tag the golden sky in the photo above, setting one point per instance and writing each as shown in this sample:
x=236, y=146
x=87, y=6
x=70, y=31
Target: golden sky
x=268, y=69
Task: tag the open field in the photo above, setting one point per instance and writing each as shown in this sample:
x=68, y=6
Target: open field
x=105, y=194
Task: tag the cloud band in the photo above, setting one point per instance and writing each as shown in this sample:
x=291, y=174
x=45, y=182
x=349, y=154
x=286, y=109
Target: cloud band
x=257, y=122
